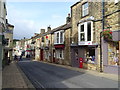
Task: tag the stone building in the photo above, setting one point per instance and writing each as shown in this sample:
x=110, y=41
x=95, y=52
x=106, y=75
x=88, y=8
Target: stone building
x=61, y=43
x=37, y=47
x=44, y=45
x=88, y=42
x=110, y=48
x=86, y=28
x=3, y=13
x=8, y=34
x=47, y=45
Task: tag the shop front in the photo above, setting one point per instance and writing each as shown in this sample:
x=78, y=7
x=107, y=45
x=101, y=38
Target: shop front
x=88, y=53
x=59, y=53
x=111, y=58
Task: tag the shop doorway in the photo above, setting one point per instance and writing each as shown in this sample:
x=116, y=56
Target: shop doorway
x=41, y=54
x=53, y=56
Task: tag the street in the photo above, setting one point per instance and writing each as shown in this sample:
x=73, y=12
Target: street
x=44, y=75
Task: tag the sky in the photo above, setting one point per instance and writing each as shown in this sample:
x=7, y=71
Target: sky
x=29, y=17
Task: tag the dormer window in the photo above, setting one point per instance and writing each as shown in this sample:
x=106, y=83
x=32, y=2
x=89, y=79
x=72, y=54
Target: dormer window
x=85, y=9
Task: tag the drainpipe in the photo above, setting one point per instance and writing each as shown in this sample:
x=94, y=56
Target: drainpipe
x=101, y=39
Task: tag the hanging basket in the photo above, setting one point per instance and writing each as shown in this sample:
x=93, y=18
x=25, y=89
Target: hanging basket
x=107, y=38
x=107, y=34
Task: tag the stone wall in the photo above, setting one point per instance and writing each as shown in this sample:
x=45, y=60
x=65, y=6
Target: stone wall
x=67, y=56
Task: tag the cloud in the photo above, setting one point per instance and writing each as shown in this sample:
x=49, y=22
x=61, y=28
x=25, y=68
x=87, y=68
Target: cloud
x=24, y=27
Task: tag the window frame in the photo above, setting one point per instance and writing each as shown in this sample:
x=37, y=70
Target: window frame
x=84, y=9
x=57, y=37
x=85, y=31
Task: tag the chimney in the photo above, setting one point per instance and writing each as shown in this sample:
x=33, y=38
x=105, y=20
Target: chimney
x=42, y=31
x=6, y=21
x=35, y=34
x=48, y=28
x=68, y=19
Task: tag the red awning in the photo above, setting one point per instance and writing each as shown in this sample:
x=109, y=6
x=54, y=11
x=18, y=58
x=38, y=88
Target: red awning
x=28, y=50
x=59, y=46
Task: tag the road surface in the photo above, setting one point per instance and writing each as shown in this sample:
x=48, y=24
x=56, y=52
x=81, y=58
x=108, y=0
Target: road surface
x=44, y=75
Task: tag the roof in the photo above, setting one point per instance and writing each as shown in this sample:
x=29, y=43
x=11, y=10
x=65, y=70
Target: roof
x=62, y=27
x=75, y=3
x=10, y=25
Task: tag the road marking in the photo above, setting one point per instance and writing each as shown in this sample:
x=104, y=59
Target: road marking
x=32, y=78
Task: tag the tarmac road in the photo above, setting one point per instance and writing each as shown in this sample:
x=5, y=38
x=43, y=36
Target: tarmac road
x=43, y=75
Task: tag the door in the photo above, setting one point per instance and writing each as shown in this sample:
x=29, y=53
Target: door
x=74, y=57
x=53, y=55
x=41, y=54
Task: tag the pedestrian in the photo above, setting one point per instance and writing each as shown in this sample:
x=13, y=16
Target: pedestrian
x=21, y=56
x=8, y=60
x=15, y=58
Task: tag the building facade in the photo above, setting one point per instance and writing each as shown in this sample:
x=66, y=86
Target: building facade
x=3, y=13
x=8, y=34
x=86, y=29
x=111, y=58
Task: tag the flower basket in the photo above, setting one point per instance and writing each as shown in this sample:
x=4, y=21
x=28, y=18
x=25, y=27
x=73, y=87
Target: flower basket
x=107, y=34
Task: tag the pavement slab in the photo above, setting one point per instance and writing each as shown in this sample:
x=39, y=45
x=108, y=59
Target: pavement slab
x=12, y=77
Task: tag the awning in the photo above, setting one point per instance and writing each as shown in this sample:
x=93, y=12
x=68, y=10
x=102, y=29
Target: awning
x=59, y=46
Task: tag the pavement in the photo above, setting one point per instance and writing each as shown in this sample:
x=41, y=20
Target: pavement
x=92, y=72
x=13, y=77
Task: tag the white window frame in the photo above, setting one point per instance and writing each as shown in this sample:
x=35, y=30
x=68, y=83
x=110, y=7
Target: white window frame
x=85, y=9
x=59, y=37
x=85, y=31
x=116, y=1
x=58, y=52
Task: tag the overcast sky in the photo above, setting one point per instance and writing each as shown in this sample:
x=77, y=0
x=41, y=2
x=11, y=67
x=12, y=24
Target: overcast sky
x=29, y=17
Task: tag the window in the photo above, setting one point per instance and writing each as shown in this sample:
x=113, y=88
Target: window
x=82, y=33
x=88, y=31
x=7, y=41
x=42, y=39
x=59, y=37
x=85, y=9
x=116, y=1
x=85, y=31
x=60, y=54
x=90, y=55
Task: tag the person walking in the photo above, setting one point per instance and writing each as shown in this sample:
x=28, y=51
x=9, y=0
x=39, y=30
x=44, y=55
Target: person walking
x=16, y=58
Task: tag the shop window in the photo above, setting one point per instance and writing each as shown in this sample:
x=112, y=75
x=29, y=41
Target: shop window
x=113, y=54
x=90, y=55
x=60, y=54
x=46, y=55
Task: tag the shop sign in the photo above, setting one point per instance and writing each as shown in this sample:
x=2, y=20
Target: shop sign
x=85, y=43
x=46, y=48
